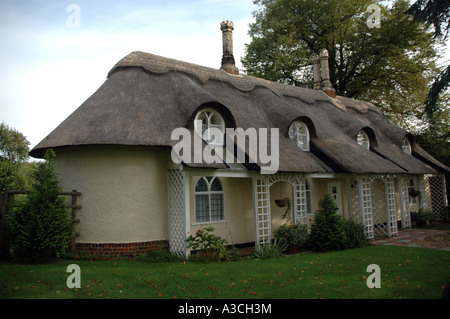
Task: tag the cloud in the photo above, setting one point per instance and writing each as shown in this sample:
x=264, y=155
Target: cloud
x=49, y=69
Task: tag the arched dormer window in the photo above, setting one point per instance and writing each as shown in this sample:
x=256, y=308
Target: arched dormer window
x=363, y=139
x=210, y=125
x=299, y=134
x=209, y=200
x=406, y=145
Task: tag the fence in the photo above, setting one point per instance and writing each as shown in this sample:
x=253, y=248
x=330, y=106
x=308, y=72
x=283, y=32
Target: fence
x=7, y=202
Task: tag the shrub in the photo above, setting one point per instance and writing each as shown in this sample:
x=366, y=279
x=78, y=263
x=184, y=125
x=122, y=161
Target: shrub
x=270, y=250
x=207, y=245
x=39, y=226
x=422, y=217
x=327, y=229
x=356, y=236
x=161, y=256
x=445, y=214
x=292, y=235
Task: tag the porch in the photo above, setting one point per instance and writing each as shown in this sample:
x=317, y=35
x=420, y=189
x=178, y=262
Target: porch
x=379, y=202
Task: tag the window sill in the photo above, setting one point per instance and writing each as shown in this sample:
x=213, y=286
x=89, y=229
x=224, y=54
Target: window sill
x=211, y=222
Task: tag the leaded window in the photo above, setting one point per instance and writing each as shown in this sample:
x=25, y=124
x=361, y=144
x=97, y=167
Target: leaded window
x=363, y=139
x=299, y=135
x=210, y=125
x=209, y=200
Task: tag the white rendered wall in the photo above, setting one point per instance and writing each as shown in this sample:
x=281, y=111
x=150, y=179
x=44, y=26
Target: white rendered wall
x=124, y=192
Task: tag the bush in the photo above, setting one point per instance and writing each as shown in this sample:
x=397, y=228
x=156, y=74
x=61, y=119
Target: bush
x=161, y=256
x=207, y=245
x=293, y=235
x=39, y=226
x=356, y=236
x=327, y=229
x=445, y=214
x=270, y=250
x=423, y=217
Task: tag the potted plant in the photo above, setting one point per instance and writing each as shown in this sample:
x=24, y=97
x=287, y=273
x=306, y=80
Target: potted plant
x=295, y=236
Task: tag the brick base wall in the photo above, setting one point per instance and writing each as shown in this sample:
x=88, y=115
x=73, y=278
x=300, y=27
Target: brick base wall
x=116, y=249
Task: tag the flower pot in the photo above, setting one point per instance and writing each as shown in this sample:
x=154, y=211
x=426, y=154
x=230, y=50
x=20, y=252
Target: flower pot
x=282, y=202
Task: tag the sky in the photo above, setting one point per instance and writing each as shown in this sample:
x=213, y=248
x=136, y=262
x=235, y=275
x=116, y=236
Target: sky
x=55, y=54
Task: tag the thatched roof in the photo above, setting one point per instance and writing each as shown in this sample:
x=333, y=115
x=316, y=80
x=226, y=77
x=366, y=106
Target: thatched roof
x=146, y=97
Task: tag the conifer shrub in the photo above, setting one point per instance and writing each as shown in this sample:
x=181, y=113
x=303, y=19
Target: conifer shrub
x=327, y=229
x=40, y=228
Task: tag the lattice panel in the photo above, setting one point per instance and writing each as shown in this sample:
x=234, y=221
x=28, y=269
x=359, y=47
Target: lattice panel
x=392, y=208
x=436, y=193
x=366, y=203
x=379, y=208
x=406, y=215
x=300, y=200
x=354, y=201
x=176, y=212
x=262, y=201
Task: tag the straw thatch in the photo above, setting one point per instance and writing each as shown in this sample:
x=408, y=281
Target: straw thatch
x=146, y=97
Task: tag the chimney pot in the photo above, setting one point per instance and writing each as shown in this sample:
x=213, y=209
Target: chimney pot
x=228, y=63
x=325, y=73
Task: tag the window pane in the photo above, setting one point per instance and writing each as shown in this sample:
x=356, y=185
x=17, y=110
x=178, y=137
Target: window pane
x=201, y=208
x=216, y=185
x=201, y=186
x=216, y=207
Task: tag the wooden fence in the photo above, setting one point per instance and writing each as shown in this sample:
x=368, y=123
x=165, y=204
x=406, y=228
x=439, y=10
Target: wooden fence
x=7, y=202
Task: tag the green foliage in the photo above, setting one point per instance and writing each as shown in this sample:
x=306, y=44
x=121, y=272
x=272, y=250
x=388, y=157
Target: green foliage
x=445, y=214
x=13, y=153
x=423, y=217
x=391, y=66
x=161, y=256
x=355, y=233
x=39, y=226
x=208, y=246
x=327, y=229
x=270, y=250
x=292, y=235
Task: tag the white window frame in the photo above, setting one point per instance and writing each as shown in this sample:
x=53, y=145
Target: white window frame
x=363, y=139
x=208, y=193
x=204, y=130
x=411, y=186
x=406, y=146
x=299, y=135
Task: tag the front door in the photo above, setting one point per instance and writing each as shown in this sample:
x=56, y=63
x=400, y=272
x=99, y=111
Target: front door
x=335, y=190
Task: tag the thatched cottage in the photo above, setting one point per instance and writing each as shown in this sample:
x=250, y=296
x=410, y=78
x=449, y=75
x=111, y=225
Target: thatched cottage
x=117, y=149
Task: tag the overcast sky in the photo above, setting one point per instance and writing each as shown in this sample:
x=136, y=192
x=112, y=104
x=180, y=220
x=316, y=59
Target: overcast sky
x=52, y=59
x=51, y=62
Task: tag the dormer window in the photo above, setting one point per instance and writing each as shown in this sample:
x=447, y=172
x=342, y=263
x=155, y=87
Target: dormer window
x=299, y=134
x=210, y=125
x=363, y=139
x=406, y=145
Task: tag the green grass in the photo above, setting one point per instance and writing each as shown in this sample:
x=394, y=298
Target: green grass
x=405, y=273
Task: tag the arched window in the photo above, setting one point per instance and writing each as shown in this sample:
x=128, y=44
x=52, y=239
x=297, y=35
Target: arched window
x=299, y=134
x=363, y=139
x=210, y=125
x=208, y=200
x=406, y=145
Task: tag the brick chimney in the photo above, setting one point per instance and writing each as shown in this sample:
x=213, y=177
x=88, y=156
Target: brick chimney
x=228, y=63
x=316, y=69
x=325, y=74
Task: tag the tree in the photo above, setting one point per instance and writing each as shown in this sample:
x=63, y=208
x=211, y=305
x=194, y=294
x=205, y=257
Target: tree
x=39, y=226
x=13, y=152
x=436, y=13
x=327, y=229
x=390, y=66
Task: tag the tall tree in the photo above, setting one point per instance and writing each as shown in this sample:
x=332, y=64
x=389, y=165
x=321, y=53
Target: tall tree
x=437, y=14
x=13, y=152
x=390, y=65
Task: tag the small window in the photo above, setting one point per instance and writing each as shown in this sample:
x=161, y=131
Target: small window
x=299, y=134
x=406, y=146
x=363, y=139
x=412, y=192
x=209, y=124
x=209, y=200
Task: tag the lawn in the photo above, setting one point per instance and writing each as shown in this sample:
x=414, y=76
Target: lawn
x=408, y=273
